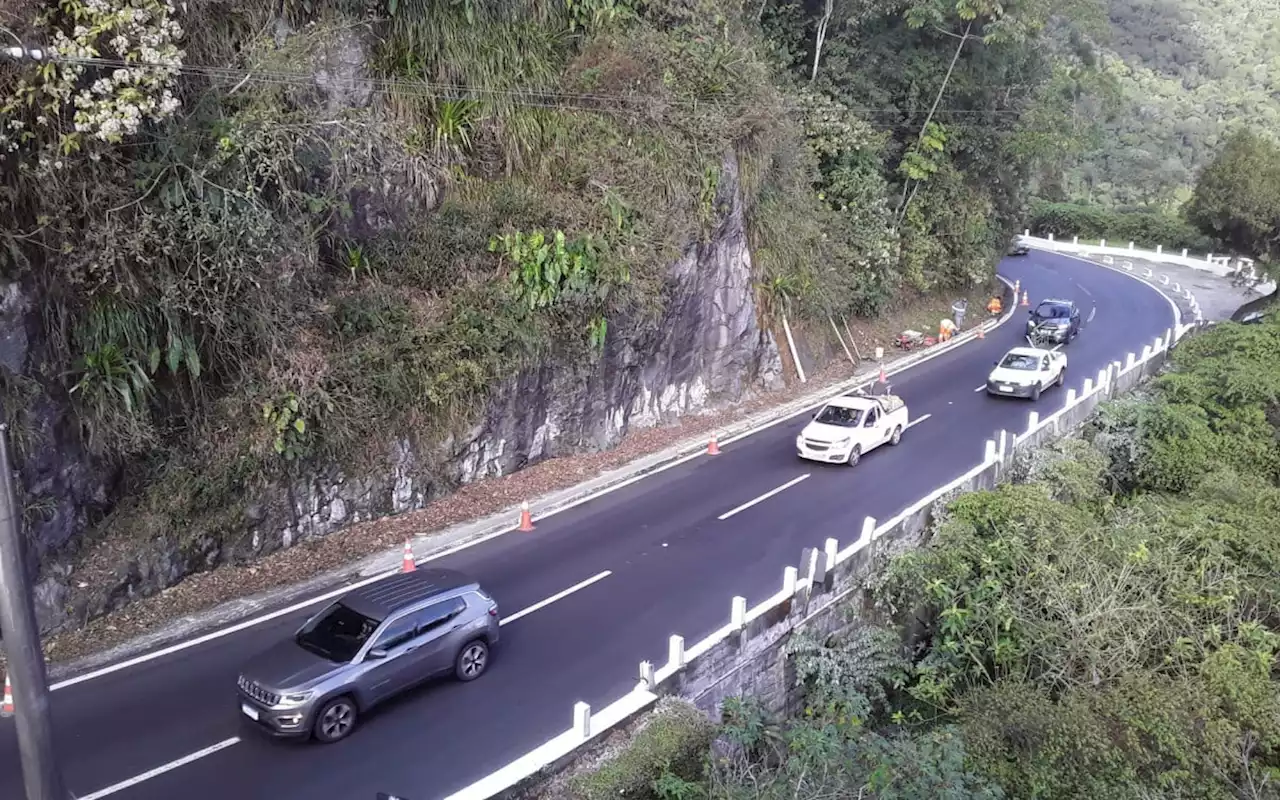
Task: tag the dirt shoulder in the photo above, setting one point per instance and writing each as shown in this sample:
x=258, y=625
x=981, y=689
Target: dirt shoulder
x=230, y=593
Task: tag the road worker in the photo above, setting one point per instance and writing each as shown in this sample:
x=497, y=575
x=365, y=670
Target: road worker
x=994, y=306
x=946, y=329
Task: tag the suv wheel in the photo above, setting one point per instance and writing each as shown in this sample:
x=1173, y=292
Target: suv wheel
x=336, y=720
x=1035, y=392
x=1062, y=376
x=472, y=660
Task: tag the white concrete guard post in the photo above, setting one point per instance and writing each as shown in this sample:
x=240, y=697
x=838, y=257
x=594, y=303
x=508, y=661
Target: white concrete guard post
x=675, y=649
x=1004, y=444
x=1071, y=396
x=1088, y=386
x=1033, y=419
x=1102, y=243
x=738, y=614
x=1130, y=360
x=830, y=549
x=1168, y=336
x=868, y=528
x=1102, y=377
x=1146, y=352
x=1164, y=279
x=1177, y=287
x=1159, y=249
x=1148, y=273
x=1130, y=245
x=1075, y=240
x=646, y=674
x=582, y=719
x=790, y=578
x=989, y=455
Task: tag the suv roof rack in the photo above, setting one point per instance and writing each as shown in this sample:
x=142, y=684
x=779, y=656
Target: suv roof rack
x=385, y=597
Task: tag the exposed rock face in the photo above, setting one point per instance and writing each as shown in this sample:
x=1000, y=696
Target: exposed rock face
x=708, y=350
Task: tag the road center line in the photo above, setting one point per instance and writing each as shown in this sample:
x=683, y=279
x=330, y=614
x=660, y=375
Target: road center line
x=918, y=420
x=980, y=388
x=162, y=769
x=541, y=604
x=762, y=497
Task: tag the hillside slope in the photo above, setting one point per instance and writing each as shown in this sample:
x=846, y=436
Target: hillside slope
x=271, y=274
x=1189, y=71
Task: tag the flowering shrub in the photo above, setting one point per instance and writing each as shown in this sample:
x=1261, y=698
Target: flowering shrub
x=111, y=65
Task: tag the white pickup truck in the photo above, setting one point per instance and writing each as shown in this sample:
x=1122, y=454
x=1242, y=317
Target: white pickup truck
x=848, y=427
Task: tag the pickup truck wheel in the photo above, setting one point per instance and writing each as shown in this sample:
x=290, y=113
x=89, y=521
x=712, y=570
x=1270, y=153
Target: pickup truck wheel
x=1062, y=377
x=855, y=455
x=1035, y=392
x=897, y=435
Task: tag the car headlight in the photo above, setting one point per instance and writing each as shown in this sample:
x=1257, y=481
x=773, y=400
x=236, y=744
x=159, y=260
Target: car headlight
x=842, y=442
x=295, y=699
x=799, y=439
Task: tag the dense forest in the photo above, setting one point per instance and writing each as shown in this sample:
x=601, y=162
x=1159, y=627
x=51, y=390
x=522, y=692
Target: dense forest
x=1175, y=78
x=1105, y=626
x=261, y=238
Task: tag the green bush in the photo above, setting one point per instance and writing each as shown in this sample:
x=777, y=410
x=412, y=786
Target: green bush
x=1144, y=227
x=674, y=741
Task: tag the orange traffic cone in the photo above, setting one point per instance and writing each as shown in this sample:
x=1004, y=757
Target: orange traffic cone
x=526, y=519
x=713, y=448
x=1017, y=287
x=883, y=377
x=1024, y=300
x=6, y=709
x=408, y=564
x=981, y=335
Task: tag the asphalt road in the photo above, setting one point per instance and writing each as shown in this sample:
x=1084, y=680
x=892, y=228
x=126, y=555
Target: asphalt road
x=673, y=567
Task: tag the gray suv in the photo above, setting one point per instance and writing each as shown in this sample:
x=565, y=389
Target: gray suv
x=369, y=646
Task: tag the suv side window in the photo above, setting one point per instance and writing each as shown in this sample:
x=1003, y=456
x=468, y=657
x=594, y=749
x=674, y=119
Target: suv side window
x=434, y=616
x=398, y=632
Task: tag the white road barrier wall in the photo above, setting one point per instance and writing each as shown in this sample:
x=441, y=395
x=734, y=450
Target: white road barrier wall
x=705, y=671
x=1223, y=266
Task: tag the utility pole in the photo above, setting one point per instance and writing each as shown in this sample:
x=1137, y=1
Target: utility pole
x=25, y=658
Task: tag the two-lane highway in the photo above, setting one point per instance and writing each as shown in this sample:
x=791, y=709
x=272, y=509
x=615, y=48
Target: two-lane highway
x=585, y=597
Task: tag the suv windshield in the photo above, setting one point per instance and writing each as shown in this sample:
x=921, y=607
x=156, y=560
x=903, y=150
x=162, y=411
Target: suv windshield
x=337, y=634
x=839, y=416
x=1015, y=361
x=1052, y=311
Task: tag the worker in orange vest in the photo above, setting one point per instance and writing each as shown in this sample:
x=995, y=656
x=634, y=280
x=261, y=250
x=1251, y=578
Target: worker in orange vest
x=994, y=306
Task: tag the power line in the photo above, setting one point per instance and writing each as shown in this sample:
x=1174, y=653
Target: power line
x=529, y=97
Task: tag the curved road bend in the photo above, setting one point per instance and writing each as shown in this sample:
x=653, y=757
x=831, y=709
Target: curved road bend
x=673, y=566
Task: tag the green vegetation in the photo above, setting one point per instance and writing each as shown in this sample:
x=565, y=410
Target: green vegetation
x=1145, y=227
x=1106, y=626
x=250, y=266
x=1237, y=198
x=1176, y=78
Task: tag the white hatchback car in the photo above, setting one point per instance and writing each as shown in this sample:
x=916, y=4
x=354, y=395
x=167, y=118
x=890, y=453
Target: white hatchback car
x=847, y=427
x=1026, y=372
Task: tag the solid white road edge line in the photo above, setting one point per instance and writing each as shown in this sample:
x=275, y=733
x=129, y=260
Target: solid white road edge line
x=178, y=647
x=210, y=750
x=557, y=596
x=162, y=769
x=980, y=388
x=763, y=497
x=918, y=420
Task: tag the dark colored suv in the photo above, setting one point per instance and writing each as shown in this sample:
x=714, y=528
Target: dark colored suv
x=1018, y=247
x=374, y=643
x=1054, y=322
